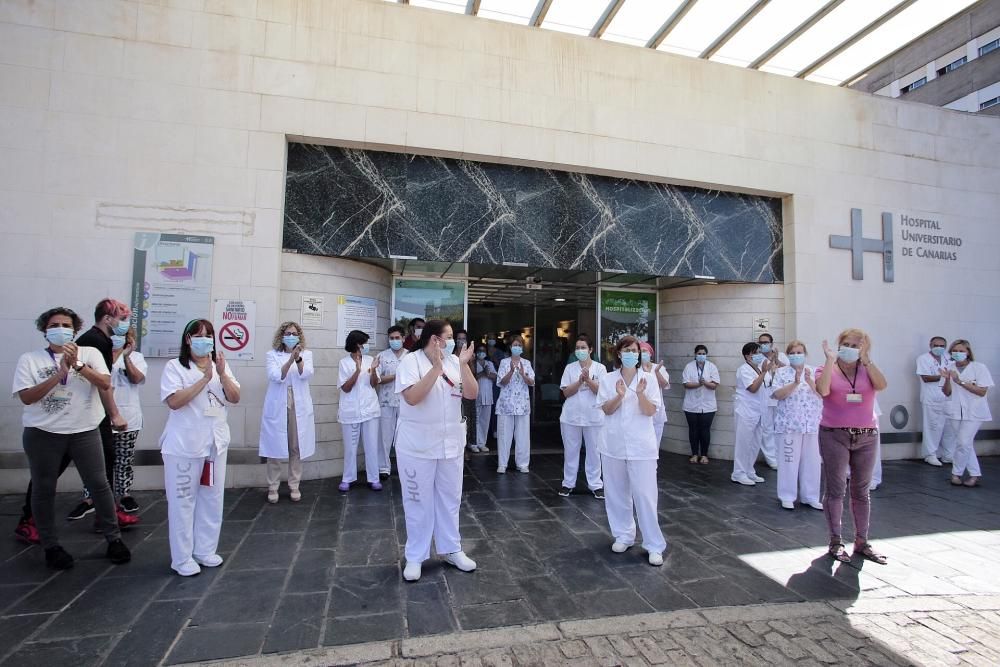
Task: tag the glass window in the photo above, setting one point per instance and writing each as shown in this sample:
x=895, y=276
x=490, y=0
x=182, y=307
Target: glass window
x=952, y=66
x=626, y=314
x=913, y=86
x=991, y=46
x=989, y=103
x=429, y=299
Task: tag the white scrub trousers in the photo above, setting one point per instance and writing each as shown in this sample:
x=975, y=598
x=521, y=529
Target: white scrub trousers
x=432, y=494
x=748, y=441
x=937, y=439
x=965, y=450
x=387, y=421
x=194, y=512
x=798, y=467
x=658, y=429
x=483, y=415
x=632, y=485
x=572, y=438
x=769, y=441
x=518, y=428
x=352, y=432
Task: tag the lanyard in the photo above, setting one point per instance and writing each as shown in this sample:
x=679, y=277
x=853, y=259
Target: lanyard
x=850, y=381
x=757, y=370
x=52, y=354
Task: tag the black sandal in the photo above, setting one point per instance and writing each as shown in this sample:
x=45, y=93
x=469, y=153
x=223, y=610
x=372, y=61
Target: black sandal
x=837, y=552
x=868, y=552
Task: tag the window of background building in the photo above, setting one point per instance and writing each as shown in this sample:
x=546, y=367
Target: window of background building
x=913, y=86
x=991, y=46
x=989, y=103
x=952, y=66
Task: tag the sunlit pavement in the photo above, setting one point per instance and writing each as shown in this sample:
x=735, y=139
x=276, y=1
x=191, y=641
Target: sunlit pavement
x=325, y=575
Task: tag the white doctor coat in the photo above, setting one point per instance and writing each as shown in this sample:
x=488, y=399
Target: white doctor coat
x=274, y=420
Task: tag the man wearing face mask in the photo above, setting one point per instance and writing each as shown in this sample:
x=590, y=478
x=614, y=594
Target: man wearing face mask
x=416, y=330
x=750, y=377
x=933, y=368
x=468, y=407
x=388, y=362
x=777, y=359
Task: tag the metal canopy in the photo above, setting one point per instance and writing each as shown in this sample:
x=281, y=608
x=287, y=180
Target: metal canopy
x=829, y=41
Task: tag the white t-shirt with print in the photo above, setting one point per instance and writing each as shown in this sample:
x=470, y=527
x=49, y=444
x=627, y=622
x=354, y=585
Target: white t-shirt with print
x=126, y=393
x=71, y=408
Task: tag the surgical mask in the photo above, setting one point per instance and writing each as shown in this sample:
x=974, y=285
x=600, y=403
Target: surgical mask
x=757, y=358
x=480, y=355
x=645, y=356
x=290, y=341
x=117, y=342
x=701, y=358
x=121, y=328
x=491, y=342
x=959, y=356
x=365, y=347
x=516, y=350
x=765, y=348
x=797, y=359
x=849, y=354
x=630, y=359
x=937, y=351
x=449, y=346
x=59, y=335
x=395, y=344
x=202, y=345
x=417, y=333
x=581, y=355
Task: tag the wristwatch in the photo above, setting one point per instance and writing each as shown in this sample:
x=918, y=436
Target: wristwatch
x=79, y=366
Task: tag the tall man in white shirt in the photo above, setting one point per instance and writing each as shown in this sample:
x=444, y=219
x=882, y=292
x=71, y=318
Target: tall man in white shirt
x=750, y=377
x=776, y=360
x=932, y=368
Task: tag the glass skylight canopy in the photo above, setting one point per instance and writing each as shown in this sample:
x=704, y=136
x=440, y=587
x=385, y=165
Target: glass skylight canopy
x=829, y=41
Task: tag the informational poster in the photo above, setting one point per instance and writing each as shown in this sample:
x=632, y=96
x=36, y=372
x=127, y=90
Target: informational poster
x=234, y=322
x=761, y=325
x=357, y=312
x=312, y=312
x=626, y=314
x=171, y=285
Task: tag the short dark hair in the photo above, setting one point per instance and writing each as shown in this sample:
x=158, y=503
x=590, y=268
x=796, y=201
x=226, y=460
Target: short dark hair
x=700, y=347
x=586, y=339
x=395, y=328
x=770, y=338
x=461, y=331
x=940, y=338
x=193, y=327
x=43, y=320
x=622, y=343
x=355, y=339
x=431, y=329
x=750, y=348
x=413, y=322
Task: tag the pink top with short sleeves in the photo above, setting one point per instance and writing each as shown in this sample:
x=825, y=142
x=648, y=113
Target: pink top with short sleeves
x=837, y=412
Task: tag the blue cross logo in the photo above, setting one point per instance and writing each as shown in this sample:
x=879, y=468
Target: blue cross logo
x=858, y=245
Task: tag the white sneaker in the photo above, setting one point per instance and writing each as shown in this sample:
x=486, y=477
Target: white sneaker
x=461, y=561
x=620, y=547
x=502, y=469
x=873, y=486
x=655, y=558
x=272, y=496
x=742, y=479
x=773, y=465
x=932, y=460
x=757, y=478
x=412, y=571
x=214, y=560
x=787, y=504
x=816, y=505
x=484, y=449
x=522, y=468
x=188, y=569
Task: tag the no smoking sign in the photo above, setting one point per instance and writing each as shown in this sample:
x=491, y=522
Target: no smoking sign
x=234, y=321
x=234, y=336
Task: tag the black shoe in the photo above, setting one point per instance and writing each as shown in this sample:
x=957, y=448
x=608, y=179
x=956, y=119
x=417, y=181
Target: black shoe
x=565, y=491
x=383, y=475
x=58, y=559
x=80, y=511
x=118, y=553
x=128, y=505
x=598, y=493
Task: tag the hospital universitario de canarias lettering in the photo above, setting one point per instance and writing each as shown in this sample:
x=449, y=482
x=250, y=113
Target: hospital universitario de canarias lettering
x=922, y=238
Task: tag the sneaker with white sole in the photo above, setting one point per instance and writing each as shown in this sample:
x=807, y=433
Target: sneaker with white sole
x=816, y=505
x=655, y=558
x=620, y=547
x=501, y=469
x=773, y=465
x=80, y=511
x=742, y=479
x=932, y=460
x=757, y=478
x=565, y=491
x=188, y=569
x=483, y=449
x=272, y=496
x=461, y=561
x=213, y=560
x=412, y=571
x=788, y=504
x=522, y=468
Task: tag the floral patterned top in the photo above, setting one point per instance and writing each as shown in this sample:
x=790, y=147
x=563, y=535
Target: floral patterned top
x=515, y=398
x=800, y=411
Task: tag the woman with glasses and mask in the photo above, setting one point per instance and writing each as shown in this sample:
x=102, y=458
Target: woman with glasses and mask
x=966, y=386
x=629, y=397
x=287, y=425
x=430, y=444
x=197, y=387
x=848, y=438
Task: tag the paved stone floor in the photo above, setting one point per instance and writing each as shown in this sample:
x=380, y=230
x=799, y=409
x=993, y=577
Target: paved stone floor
x=326, y=573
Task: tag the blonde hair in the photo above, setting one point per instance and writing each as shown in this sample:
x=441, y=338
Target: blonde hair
x=962, y=341
x=796, y=343
x=280, y=333
x=860, y=333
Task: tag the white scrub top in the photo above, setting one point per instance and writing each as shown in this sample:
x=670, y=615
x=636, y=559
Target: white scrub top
x=485, y=396
x=928, y=364
x=700, y=399
x=126, y=393
x=661, y=411
x=433, y=428
x=360, y=403
x=631, y=433
x=580, y=409
x=965, y=405
x=189, y=431
x=748, y=404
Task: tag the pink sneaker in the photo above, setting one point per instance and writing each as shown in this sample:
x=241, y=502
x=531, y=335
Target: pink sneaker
x=344, y=487
x=376, y=486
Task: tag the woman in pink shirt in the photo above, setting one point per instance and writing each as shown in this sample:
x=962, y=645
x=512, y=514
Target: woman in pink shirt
x=848, y=437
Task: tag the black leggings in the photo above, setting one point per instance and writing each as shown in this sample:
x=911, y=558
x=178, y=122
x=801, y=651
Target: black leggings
x=699, y=431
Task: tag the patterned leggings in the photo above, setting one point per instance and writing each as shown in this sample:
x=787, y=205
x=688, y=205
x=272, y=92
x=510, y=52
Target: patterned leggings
x=124, y=455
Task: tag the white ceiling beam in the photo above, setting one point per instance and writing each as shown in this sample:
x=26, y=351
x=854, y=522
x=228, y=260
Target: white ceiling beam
x=721, y=40
x=795, y=34
x=472, y=7
x=538, y=16
x=670, y=24
x=606, y=17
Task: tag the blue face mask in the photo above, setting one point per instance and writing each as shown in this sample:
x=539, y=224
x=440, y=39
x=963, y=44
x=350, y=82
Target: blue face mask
x=757, y=358
x=121, y=328
x=117, y=342
x=202, y=345
x=365, y=347
x=937, y=351
x=959, y=356
x=797, y=359
x=290, y=341
x=849, y=354
x=480, y=355
x=765, y=348
x=449, y=346
x=582, y=355
x=630, y=359
x=59, y=335
x=645, y=356
x=701, y=358
x=516, y=350
x=395, y=344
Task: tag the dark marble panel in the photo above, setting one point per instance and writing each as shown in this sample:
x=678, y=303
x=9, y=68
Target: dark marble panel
x=360, y=203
